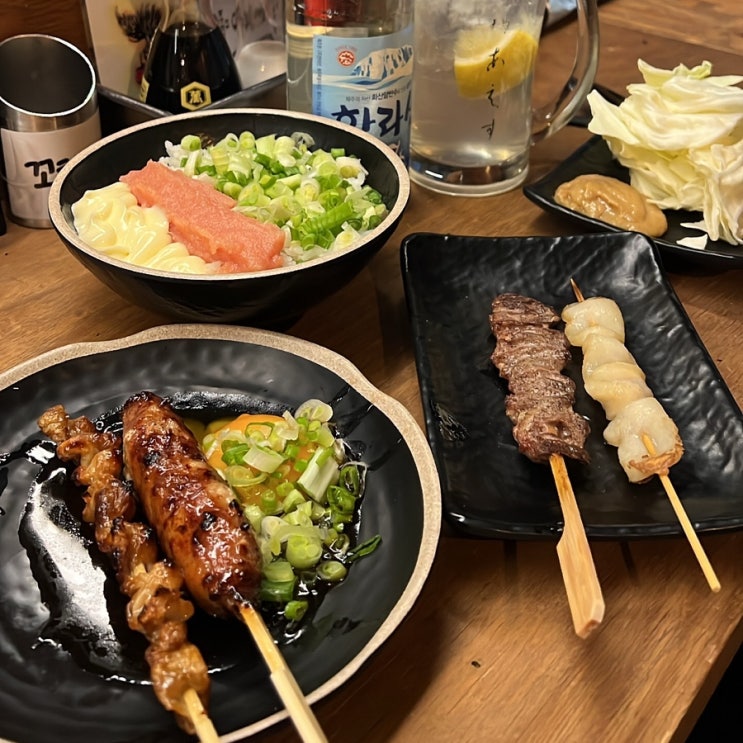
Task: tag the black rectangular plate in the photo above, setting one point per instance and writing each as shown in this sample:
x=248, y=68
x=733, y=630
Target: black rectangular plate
x=489, y=489
x=595, y=157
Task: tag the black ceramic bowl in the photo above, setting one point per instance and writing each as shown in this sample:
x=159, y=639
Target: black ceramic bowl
x=265, y=298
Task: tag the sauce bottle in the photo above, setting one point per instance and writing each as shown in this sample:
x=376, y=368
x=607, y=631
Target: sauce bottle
x=189, y=64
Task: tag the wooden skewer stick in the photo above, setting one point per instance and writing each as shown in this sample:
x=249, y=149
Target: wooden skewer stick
x=199, y=718
x=284, y=682
x=678, y=507
x=576, y=290
x=578, y=570
x=685, y=522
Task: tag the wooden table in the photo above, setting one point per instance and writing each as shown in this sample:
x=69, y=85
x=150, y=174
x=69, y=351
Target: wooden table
x=488, y=653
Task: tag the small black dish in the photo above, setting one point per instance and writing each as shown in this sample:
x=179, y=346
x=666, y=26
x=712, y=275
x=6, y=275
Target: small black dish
x=489, y=489
x=595, y=157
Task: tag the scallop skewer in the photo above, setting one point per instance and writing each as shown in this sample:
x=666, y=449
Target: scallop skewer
x=654, y=462
x=530, y=354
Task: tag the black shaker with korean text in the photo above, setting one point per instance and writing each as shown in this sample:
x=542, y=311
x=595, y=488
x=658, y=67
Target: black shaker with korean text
x=189, y=64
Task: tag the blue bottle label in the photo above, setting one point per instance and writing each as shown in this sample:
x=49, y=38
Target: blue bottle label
x=366, y=82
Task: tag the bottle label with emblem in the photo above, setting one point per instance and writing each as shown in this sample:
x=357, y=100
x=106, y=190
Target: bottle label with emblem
x=189, y=66
x=366, y=82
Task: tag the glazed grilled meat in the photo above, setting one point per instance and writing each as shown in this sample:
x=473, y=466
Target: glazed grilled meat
x=530, y=355
x=156, y=607
x=198, y=522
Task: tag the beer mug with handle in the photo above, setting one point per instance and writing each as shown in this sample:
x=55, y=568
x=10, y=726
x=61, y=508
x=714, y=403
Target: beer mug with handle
x=473, y=120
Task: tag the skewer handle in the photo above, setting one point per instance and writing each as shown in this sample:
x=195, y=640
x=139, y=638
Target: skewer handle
x=686, y=525
x=283, y=680
x=201, y=721
x=578, y=570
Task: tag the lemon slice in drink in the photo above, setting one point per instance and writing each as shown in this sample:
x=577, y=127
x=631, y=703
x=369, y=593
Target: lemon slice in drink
x=488, y=59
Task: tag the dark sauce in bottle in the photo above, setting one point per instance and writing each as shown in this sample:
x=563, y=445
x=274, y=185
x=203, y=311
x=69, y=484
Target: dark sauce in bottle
x=189, y=66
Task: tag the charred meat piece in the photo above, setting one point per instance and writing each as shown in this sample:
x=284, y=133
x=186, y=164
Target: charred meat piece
x=156, y=607
x=515, y=309
x=539, y=383
x=529, y=346
x=198, y=522
x=551, y=429
x=530, y=355
x=538, y=387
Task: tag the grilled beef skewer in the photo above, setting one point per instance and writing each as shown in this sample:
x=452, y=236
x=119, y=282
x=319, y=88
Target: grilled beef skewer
x=156, y=607
x=530, y=354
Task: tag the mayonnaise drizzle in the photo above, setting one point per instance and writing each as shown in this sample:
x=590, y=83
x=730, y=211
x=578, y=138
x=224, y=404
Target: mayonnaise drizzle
x=110, y=220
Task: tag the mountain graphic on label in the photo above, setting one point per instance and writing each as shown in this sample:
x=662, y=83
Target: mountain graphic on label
x=384, y=65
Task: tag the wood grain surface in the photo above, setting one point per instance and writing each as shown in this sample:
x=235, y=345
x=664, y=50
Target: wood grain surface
x=488, y=652
x=63, y=18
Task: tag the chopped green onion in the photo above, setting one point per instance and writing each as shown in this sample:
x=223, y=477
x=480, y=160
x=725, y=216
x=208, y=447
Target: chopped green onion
x=325, y=436
x=284, y=488
x=191, y=142
x=291, y=451
x=293, y=500
x=254, y=517
x=330, y=221
x=321, y=469
x=364, y=549
x=279, y=571
x=295, y=610
x=262, y=459
x=243, y=477
x=301, y=515
x=233, y=452
x=300, y=465
x=341, y=543
x=275, y=591
x=303, y=552
x=331, y=570
x=270, y=502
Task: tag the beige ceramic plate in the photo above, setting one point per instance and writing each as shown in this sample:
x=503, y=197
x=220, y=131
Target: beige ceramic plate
x=60, y=643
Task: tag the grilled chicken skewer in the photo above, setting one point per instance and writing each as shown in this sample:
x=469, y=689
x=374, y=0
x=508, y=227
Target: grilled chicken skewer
x=198, y=522
x=156, y=607
x=530, y=354
x=200, y=527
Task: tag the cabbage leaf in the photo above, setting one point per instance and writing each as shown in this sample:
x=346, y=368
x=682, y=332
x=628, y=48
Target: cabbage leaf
x=680, y=134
